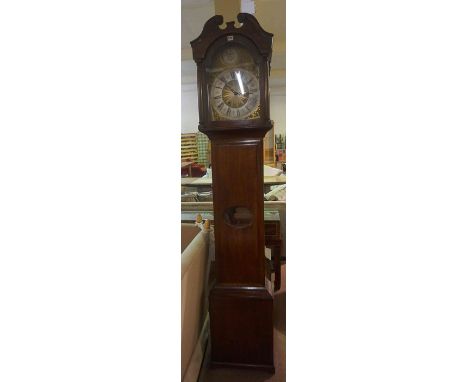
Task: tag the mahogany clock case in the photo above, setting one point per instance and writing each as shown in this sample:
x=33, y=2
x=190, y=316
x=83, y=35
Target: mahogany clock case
x=252, y=38
x=240, y=305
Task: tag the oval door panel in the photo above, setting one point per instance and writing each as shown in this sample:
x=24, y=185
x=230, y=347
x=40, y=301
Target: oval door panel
x=238, y=217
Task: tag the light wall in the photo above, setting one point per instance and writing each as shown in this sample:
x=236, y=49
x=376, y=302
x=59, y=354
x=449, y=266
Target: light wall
x=278, y=111
x=189, y=110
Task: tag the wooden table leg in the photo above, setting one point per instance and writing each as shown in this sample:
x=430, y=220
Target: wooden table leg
x=276, y=254
x=275, y=246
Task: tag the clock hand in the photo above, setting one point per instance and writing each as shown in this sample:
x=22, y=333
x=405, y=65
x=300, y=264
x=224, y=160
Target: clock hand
x=231, y=89
x=237, y=93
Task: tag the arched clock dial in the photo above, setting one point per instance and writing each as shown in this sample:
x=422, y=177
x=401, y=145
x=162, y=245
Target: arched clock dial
x=230, y=56
x=235, y=93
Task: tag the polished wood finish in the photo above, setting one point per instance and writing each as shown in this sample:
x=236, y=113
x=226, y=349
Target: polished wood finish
x=239, y=183
x=259, y=43
x=273, y=240
x=241, y=327
x=241, y=307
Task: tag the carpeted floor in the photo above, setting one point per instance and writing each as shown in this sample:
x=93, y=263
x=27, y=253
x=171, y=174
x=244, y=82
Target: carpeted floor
x=279, y=346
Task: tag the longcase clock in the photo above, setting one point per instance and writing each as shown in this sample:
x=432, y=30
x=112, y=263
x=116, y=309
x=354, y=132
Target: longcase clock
x=233, y=100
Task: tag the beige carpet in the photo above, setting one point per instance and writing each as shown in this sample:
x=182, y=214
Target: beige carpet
x=239, y=375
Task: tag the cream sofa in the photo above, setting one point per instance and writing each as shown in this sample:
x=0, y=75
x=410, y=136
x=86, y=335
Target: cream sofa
x=195, y=322
x=279, y=206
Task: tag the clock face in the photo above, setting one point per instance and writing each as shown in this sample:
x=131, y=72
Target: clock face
x=235, y=93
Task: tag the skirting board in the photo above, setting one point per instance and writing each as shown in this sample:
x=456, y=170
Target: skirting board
x=194, y=367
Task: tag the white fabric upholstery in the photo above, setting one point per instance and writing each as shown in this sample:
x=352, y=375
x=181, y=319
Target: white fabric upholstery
x=194, y=297
x=188, y=233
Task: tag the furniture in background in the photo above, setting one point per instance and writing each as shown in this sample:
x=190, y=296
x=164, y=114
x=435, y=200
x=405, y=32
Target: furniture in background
x=269, y=148
x=205, y=184
x=192, y=170
x=193, y=159
x=194, y=298
x=274, y=242
x=188, y=148
x=204, y=149
x=280, y=149
x=187, y=165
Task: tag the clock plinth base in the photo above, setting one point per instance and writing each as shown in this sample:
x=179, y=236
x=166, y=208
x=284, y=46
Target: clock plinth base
x=241, y=324
x=268, y=368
